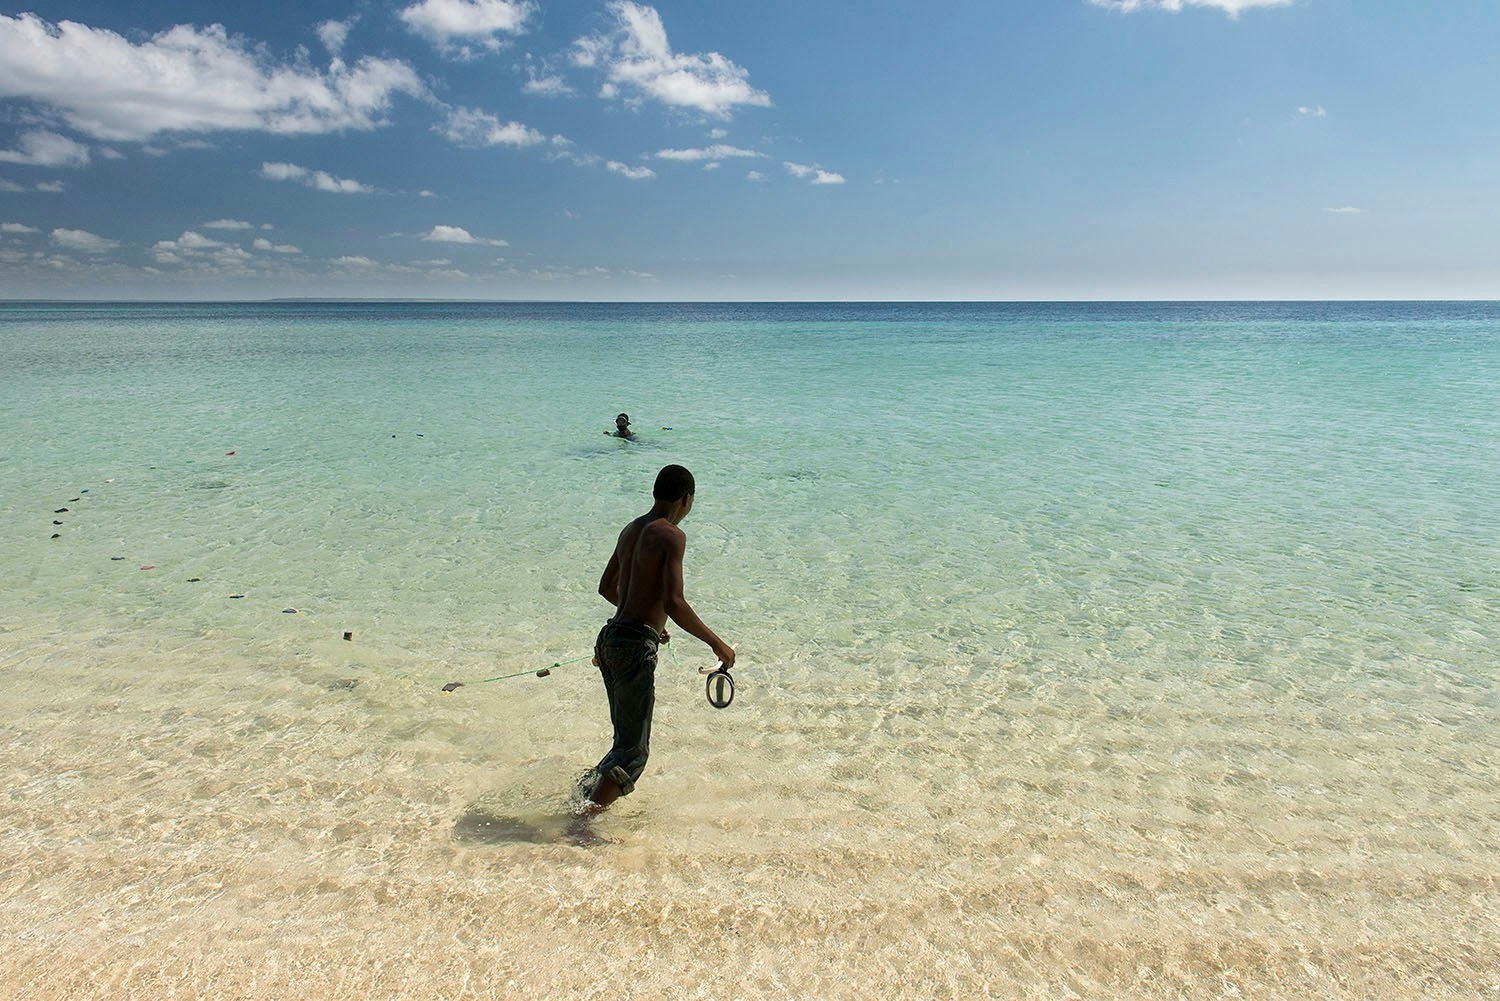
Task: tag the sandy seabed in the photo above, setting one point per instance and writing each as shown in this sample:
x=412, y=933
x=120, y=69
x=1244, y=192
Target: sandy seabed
x=307, y=831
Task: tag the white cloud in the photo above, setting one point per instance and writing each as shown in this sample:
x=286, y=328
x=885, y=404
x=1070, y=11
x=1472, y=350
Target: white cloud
x=1230, y=7
x=1313, y=111
x=626, y=170
x=1346, y=210
x=319, y=180
x=755, y=175
x=449, y=23
x=46, y=149
x=812, y=174
x=550, y=85
x=83, y=241
x=471, y=127
x=9, y=186
x=637, y=58
x=457, y=234
x=424, y=193
x=187, y=79
x=187, y=246
x=17, y=227
x=717, y=134
x=719, y=152
x=203, y=254
x=227, y=224
x=334, y=34
x=261, y=243
x=354, y=262
x=52, y=187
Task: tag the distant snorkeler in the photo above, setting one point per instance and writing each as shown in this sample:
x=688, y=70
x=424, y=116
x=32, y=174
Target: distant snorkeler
x=622, y=428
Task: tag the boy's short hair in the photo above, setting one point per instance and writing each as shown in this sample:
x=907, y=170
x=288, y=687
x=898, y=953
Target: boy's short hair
x=673, y=483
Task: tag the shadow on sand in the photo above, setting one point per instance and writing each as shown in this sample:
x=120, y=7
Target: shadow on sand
x=523, y=816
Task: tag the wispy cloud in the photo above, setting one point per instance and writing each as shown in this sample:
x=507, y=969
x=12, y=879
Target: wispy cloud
x=333, y=35
x=812, y=173
x=717, y=152
x=83, y=241
x=546, y=84
x=626, y=170
x=472, y=127
x=1312, y=111
x=261, y=243
x=1346, y=210
x=230, y=224
x=41, y=148
x=318, y=180
x=455, y=25
x=1231, y=7
x=17, y=228
x=187, y=79
x=189, y=244
x=639, y=64
x=457, y=234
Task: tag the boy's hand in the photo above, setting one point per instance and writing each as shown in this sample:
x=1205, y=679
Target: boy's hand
x=725, y=653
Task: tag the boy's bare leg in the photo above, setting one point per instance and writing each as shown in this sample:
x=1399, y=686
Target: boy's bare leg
x=606, y=791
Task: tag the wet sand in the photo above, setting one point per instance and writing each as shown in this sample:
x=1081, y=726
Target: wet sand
x=259, y=834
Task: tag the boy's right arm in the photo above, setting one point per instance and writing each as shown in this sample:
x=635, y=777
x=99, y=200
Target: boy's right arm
x=676, y=603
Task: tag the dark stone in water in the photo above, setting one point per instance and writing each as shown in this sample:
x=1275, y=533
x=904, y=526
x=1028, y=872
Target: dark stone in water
x=194, y=580
x=56, y=522
x=343, y=685
x=61, y=510
x=57, y=535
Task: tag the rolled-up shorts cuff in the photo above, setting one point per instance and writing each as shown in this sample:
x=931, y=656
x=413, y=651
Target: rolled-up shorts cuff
x=621, y=778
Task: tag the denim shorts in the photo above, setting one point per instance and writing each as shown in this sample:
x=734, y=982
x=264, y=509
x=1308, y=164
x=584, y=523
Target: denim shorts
x=626, y=652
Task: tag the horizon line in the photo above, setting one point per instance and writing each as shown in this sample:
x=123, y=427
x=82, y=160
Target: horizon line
x=271, y=300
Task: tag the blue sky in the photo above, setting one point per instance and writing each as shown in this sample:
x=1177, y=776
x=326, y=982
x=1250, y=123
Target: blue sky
x=605, y=149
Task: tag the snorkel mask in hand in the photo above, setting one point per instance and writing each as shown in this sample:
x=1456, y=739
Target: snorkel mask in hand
x=719, y=686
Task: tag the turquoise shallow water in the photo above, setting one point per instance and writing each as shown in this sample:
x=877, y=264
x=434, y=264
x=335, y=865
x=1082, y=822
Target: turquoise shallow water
x=1182, y=613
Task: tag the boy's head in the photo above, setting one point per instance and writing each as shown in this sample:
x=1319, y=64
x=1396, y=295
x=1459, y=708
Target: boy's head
x=622, y=422
x=673, y=483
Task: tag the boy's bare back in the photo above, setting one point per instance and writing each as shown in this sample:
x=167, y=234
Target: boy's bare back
x=645, y=550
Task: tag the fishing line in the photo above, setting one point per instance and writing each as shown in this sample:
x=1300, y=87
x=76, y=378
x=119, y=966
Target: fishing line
x=541, y=673
x=718, y=686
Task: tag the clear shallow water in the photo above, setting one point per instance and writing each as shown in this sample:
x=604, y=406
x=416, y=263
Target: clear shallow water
x=1112, y=648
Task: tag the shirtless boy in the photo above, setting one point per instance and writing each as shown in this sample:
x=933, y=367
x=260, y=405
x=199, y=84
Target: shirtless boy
x=643, y=580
